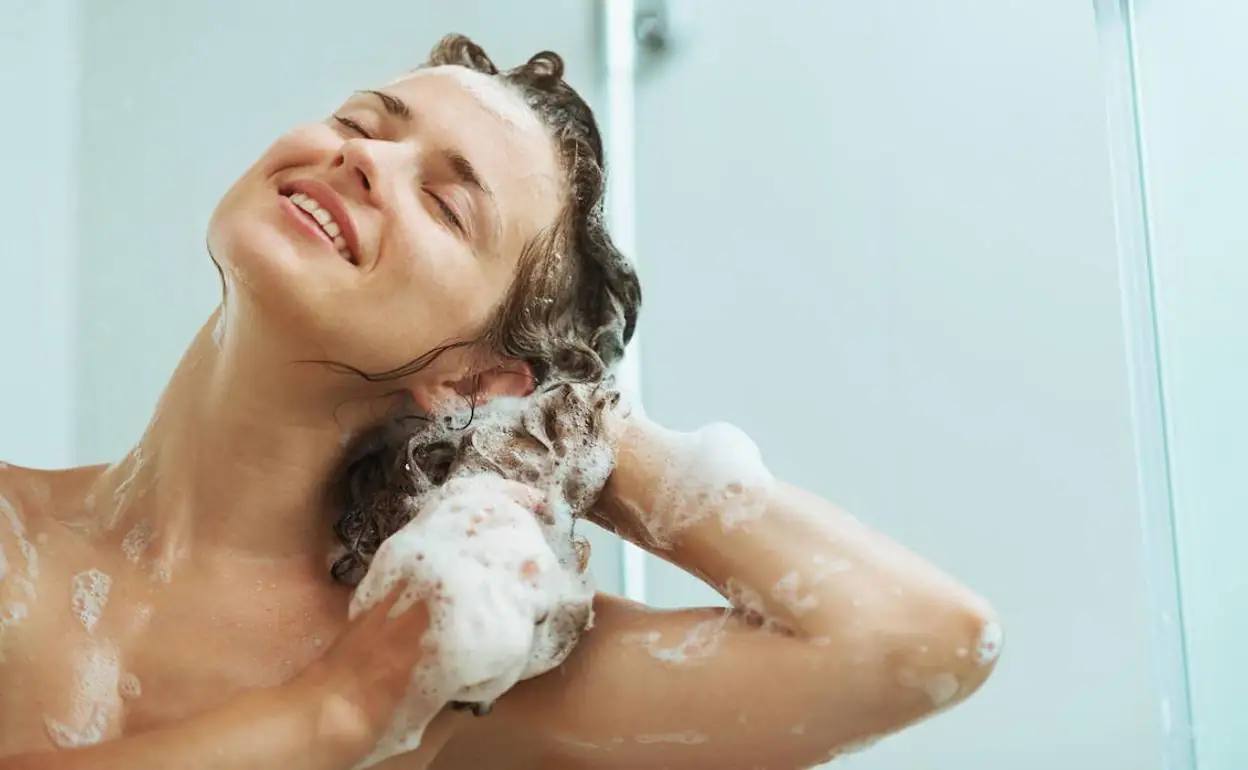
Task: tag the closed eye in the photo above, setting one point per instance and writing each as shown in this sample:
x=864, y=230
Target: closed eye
x=448, y=211
x=351, y=124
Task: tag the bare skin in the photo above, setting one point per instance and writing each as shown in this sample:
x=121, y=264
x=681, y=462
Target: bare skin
x=215, y=529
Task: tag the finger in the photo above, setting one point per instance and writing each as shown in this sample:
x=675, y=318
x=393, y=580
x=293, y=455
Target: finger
x=414, y=620
x=381, y=609
x=522, y=493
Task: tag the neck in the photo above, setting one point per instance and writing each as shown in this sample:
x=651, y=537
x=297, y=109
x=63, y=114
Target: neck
x=238, y=459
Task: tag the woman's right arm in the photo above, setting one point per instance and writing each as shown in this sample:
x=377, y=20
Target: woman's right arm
x=327, y=718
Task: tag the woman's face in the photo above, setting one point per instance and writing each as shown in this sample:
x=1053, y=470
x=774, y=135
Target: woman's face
x=434, y=185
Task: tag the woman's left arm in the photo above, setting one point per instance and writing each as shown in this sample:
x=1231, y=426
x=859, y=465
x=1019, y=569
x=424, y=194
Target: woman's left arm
x=838, y=634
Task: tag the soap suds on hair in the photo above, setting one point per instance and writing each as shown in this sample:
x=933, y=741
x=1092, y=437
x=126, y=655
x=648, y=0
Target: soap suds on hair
x=502, y=607
x=90, y=594
x=476, y=517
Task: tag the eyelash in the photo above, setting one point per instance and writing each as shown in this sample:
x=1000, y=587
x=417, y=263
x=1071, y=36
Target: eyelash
x=351, y=124
x=446, y=210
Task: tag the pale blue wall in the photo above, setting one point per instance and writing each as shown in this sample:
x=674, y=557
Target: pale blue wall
x=39, y=88
x=880, y=237
x=1194, y=117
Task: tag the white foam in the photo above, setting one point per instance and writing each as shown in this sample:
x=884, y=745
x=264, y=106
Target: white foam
x=122, y=492
x=716, y=470
x=90, y=594
x=701, y=642
x=788, y=591
x=218, y=329
x=136, y=541
x=11, y=614
x=492, y=94
x=750, y=603
x=687, y=737
x=579, y=744
x=940, y=688
x=30, y=556
x=94, y=700
x=499, y=599
x=129, y=686
x=825, y=567
x=988, y=646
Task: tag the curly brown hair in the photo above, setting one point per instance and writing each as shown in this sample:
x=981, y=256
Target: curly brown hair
x=571, y=309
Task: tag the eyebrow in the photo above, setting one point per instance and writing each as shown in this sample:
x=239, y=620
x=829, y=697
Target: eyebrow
x=463, y=169
x=394, y=105
x=465, y=173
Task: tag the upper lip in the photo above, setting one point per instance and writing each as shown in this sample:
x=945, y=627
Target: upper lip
x=329, y=200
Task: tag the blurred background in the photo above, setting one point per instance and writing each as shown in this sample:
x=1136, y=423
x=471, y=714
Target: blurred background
x=973, y=270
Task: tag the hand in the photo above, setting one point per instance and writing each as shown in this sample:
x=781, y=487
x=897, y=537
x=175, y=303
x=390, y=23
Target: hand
x=362, y=677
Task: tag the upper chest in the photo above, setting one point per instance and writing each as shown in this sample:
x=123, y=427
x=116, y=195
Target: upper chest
x=102, y=650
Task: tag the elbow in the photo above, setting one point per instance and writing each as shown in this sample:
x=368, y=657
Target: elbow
x=962, y=644
x=977, y=658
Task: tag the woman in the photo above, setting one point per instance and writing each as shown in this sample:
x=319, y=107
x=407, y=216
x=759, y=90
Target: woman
x=175, y=609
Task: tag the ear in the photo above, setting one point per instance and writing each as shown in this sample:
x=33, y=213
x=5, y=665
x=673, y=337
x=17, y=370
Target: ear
x=512, y=377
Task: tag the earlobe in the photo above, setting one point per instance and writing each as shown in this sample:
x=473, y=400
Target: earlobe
x=509, y=378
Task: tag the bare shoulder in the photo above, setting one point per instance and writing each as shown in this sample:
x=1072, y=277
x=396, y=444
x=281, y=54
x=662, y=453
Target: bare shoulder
x=30, y=496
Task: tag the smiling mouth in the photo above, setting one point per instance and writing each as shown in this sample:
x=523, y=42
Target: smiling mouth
x=320, y=221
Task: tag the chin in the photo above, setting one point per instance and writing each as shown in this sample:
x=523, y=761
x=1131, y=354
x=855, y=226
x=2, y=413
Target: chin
x=267, y=273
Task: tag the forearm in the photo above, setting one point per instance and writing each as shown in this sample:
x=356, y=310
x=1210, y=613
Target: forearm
x=281, y=727
x=804, y=564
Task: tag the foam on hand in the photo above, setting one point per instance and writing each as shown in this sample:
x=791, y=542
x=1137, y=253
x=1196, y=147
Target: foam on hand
x=487, y=505
x=501, y=603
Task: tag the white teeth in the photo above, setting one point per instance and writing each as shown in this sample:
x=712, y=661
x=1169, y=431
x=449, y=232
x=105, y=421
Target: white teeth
x=325, y=220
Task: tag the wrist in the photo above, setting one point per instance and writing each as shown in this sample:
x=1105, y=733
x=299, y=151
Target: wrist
x=639, y=459
x=343, y=727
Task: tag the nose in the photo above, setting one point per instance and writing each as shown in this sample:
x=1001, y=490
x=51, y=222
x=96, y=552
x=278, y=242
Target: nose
x=356, y=162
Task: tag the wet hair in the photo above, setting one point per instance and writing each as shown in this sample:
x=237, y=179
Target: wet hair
x=571, y=309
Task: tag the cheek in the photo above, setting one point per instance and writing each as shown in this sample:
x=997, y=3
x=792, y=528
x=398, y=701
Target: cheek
x=300, y=146
x=438, y=282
